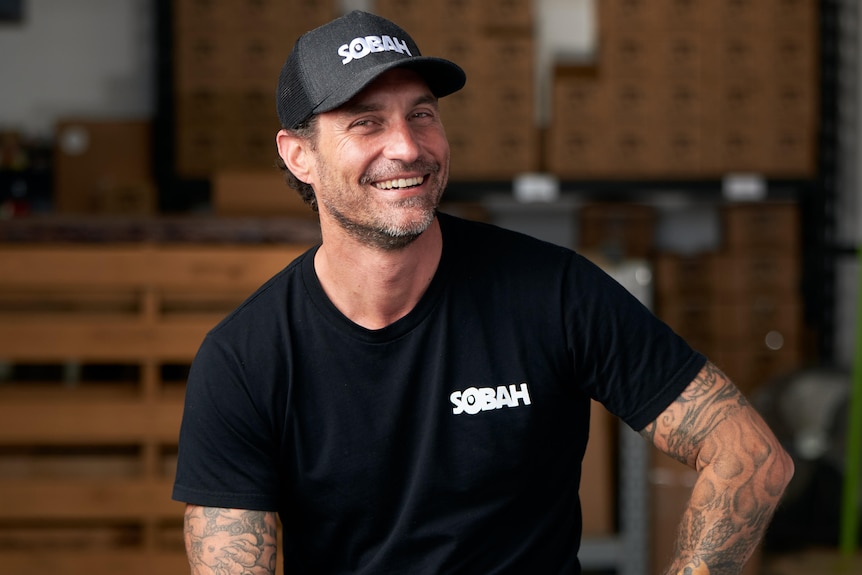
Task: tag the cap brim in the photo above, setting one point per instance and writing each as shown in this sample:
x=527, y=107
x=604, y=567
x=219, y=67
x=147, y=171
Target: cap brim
x=442, y=76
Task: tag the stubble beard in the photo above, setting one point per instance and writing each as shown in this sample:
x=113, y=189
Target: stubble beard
x=383, y=232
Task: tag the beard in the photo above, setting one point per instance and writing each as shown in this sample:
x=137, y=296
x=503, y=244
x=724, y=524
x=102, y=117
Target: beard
x=396, y=224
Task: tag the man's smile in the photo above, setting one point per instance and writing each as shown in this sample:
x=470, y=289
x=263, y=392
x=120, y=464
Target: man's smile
x=399, y=183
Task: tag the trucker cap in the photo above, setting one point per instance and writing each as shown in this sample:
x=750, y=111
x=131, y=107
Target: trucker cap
x=331, y=64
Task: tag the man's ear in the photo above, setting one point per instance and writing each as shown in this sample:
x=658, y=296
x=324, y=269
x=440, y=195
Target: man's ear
x=294, y=151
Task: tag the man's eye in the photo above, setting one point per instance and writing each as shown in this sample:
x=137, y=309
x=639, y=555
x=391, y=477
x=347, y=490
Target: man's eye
x=365, y=123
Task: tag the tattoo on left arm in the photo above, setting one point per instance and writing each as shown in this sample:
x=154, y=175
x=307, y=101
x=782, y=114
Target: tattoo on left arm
x=221, y=541
x=742, y=468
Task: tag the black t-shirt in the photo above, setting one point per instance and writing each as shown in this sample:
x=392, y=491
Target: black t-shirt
x=447, y=442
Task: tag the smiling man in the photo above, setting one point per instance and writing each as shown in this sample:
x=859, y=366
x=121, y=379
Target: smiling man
x=413, y=394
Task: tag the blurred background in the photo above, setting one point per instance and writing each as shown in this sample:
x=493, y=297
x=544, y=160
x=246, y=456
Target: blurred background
x=705, y=152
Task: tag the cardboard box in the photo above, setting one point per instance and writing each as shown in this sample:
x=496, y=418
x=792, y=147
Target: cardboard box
x=256, y=193
x=751, y=369
x=199, y=149
x=749, y=275
x=791, y=152
x=736, y=147
x=681, y=150
x=598, y=485
x=237, y=16
x=578, y=97
x=309, y=14
x=739, y=101
x=104, y=167
x=192, y=15
x=773, y=322
x=508, y=15
x=258, y=59
x=801, y=16
x=617, y=229
x=635, y=54
x=795, y=103
x=762, y=227
x=251, y=146
x=689, y=15
x=752, y=16
x=596, y=152
x=627, y=16
x=425, y=28
x=506, y=55
x=630, y=54
x=680, y=275
x=693, y=318
x=492, y=152
x=205, y=55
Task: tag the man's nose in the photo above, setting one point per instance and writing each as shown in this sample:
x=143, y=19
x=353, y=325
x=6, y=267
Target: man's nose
x=402, y=143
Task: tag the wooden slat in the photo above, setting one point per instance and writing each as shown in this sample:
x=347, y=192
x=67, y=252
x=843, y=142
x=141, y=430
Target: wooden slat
x=91, y=499
x=97, y=337
x=141, y=304
x=109, y=421
x=62, y=562
x=118, y=266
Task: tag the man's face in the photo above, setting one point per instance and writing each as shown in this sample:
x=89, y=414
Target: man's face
x=381, y=161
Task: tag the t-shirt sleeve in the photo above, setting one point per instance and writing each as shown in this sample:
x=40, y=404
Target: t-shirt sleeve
x=625, y=357
x=226, y=443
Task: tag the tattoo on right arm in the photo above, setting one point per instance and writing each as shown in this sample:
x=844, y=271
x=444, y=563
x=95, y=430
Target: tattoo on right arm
x=225, y=541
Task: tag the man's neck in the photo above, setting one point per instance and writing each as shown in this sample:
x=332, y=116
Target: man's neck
x=374, y=287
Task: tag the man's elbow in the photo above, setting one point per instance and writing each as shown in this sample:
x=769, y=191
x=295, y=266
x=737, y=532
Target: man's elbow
x=788, y=466
x=779, y=468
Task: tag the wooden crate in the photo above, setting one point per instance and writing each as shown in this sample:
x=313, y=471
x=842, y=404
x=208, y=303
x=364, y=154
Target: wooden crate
x=95, y=343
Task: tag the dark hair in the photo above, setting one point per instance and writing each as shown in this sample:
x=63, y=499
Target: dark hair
x=307, y=130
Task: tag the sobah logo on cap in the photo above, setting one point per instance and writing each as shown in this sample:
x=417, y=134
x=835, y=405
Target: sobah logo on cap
x=363, y=46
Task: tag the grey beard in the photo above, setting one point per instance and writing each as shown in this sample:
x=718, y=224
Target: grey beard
x=387, y=239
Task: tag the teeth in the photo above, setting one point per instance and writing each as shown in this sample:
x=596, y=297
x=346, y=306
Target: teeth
x=399, y=183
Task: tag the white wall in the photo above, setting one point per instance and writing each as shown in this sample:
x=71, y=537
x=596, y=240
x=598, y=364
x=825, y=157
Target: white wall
x=90, y=58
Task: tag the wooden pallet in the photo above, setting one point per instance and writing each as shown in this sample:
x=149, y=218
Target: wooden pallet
x=95, y=342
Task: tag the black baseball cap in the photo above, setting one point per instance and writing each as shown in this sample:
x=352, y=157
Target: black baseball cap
x=331, y=64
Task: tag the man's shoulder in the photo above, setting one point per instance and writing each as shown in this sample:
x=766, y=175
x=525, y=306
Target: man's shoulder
x=487, y=239
x=268, y=299
x=479, y=230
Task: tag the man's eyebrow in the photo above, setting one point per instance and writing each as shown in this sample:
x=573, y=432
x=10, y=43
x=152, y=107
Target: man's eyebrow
x=357, y=108
x=426, y=99
x=360, y=107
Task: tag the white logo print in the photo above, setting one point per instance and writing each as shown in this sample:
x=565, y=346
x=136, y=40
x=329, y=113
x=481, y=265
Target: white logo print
x=473, y=400
x=361, y=47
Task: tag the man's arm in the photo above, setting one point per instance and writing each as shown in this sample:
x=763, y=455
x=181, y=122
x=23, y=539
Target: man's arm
x=221, y=541
x=742, y=473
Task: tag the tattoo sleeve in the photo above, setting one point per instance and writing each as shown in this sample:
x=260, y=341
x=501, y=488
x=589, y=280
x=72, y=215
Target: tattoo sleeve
x=742, y=474
x=230, y=541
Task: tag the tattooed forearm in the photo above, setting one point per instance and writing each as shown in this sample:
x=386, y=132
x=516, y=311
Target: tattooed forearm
x=708, y=401
x=742, y=468
x=227, y=541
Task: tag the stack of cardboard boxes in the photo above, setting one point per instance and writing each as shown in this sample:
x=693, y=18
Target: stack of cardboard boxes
x=690, y=89
x=491, y=124
x=741, y=305
x=228, y=56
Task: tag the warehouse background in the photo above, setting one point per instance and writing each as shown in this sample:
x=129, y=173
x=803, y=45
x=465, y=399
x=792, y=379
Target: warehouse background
x=706, y=152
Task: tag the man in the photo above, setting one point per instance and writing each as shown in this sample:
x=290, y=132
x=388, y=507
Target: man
x=413, y=394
